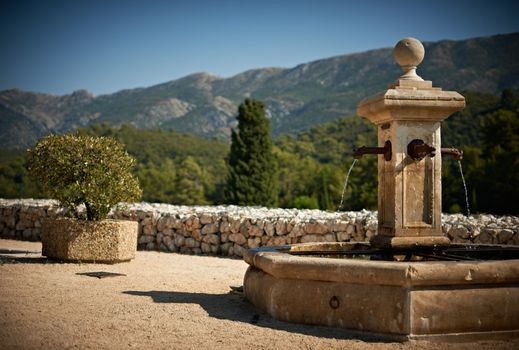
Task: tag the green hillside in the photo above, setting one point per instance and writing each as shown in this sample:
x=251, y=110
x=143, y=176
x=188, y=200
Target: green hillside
x=184, y=169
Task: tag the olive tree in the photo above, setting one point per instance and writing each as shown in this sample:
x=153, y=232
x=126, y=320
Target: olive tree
x=75, y=170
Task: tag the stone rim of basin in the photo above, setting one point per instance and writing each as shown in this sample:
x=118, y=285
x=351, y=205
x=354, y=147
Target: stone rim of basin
x=280, y=263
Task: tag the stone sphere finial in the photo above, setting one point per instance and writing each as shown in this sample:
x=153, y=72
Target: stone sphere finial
x=409, y=53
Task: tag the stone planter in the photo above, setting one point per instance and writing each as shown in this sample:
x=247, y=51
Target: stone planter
x=107, y=241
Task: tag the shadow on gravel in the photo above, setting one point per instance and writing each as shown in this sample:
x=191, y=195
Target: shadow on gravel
x=235, y=307
x=18, y=251
x=8, y=259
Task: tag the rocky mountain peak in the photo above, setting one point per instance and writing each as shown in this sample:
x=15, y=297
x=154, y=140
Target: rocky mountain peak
x=82, y=96
x=295, y=98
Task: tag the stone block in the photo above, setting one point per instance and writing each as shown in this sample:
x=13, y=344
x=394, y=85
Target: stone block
x=192, y=223
x=205, y=219
x=254, y=242
x=343, y=236
x=281, y=227
x=225, y=227
x=310, y=238
x=185, y=250
x=330, y=237
x=339, y=226
x=269, y=228
x=276, y=240
x=504, y=236
x=162, y=223
x=458, y=232
x=486, y=236
x=106, y=241
x=144, y=239
x=316, y=228
x=215, y=249
x=179, y=240
x=255, y=230
x=159, y=237
x=192, y=243
x=297, y=231
x=168, y=232
x=167, y=240
x=225, y=247
x=206, y=248
x=244, y=228
x=196, y=234
x=238, y=250
x=210, y=228
x=235, y=225
x=211, y=239
x=149, y=230
x=163, y=247
x=238, y=238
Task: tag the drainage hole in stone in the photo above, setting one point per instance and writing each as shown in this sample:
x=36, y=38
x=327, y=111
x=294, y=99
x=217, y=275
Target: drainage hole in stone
x=334, y=302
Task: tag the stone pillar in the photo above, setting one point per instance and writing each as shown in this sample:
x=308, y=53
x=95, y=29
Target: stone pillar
x=408, y=115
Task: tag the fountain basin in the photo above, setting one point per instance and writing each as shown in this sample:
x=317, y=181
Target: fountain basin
x=401, y=300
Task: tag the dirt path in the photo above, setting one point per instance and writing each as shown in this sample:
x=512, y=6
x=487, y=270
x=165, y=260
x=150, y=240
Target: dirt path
x=165, y=301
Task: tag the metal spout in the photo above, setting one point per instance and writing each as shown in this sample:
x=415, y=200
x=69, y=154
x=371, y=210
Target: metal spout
x=386, y=151
x=418, y=149
x=454, y=152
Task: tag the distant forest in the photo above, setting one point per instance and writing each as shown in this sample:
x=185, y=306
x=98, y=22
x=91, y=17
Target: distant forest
x=183, y=169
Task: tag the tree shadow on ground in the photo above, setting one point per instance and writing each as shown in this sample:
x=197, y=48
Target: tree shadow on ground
x=235, y=307
x=25, y=259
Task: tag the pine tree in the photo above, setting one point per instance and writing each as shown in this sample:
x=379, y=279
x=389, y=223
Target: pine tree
x=252, y=177
x=190, y=183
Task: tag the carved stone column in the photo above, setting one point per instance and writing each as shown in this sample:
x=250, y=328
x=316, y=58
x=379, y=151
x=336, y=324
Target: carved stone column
x=408, y=115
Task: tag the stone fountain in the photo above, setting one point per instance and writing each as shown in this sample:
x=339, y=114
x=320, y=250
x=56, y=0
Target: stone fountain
x=409, y=282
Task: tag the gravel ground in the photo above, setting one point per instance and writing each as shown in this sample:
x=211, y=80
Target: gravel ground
x=164, y=301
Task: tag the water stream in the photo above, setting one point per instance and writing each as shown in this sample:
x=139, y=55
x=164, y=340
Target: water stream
x=346, y=184
x=465, y=188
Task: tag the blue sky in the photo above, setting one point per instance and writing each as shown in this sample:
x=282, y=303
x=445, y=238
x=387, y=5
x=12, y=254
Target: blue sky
x=105, y=46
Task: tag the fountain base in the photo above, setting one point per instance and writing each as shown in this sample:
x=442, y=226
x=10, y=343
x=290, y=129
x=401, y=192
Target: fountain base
x=436, y=300
x=389, y=242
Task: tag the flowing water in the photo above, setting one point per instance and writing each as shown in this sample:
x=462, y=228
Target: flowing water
x=346, y=184
x=465, y=188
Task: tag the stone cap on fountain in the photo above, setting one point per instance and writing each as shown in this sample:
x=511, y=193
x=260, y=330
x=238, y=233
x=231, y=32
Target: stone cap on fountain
x=410, y=98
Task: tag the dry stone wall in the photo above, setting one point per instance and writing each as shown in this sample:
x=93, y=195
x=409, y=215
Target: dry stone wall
x=230, y=230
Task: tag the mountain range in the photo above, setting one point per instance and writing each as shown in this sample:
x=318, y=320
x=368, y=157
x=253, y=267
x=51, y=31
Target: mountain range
x=296, y=98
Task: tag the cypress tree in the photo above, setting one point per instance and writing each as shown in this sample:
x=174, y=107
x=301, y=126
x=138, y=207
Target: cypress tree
x=252, y=176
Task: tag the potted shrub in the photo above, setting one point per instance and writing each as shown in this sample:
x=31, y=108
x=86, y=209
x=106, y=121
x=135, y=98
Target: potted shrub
x=88, y=176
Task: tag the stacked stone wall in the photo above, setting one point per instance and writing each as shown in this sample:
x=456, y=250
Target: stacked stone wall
x=229, y=230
